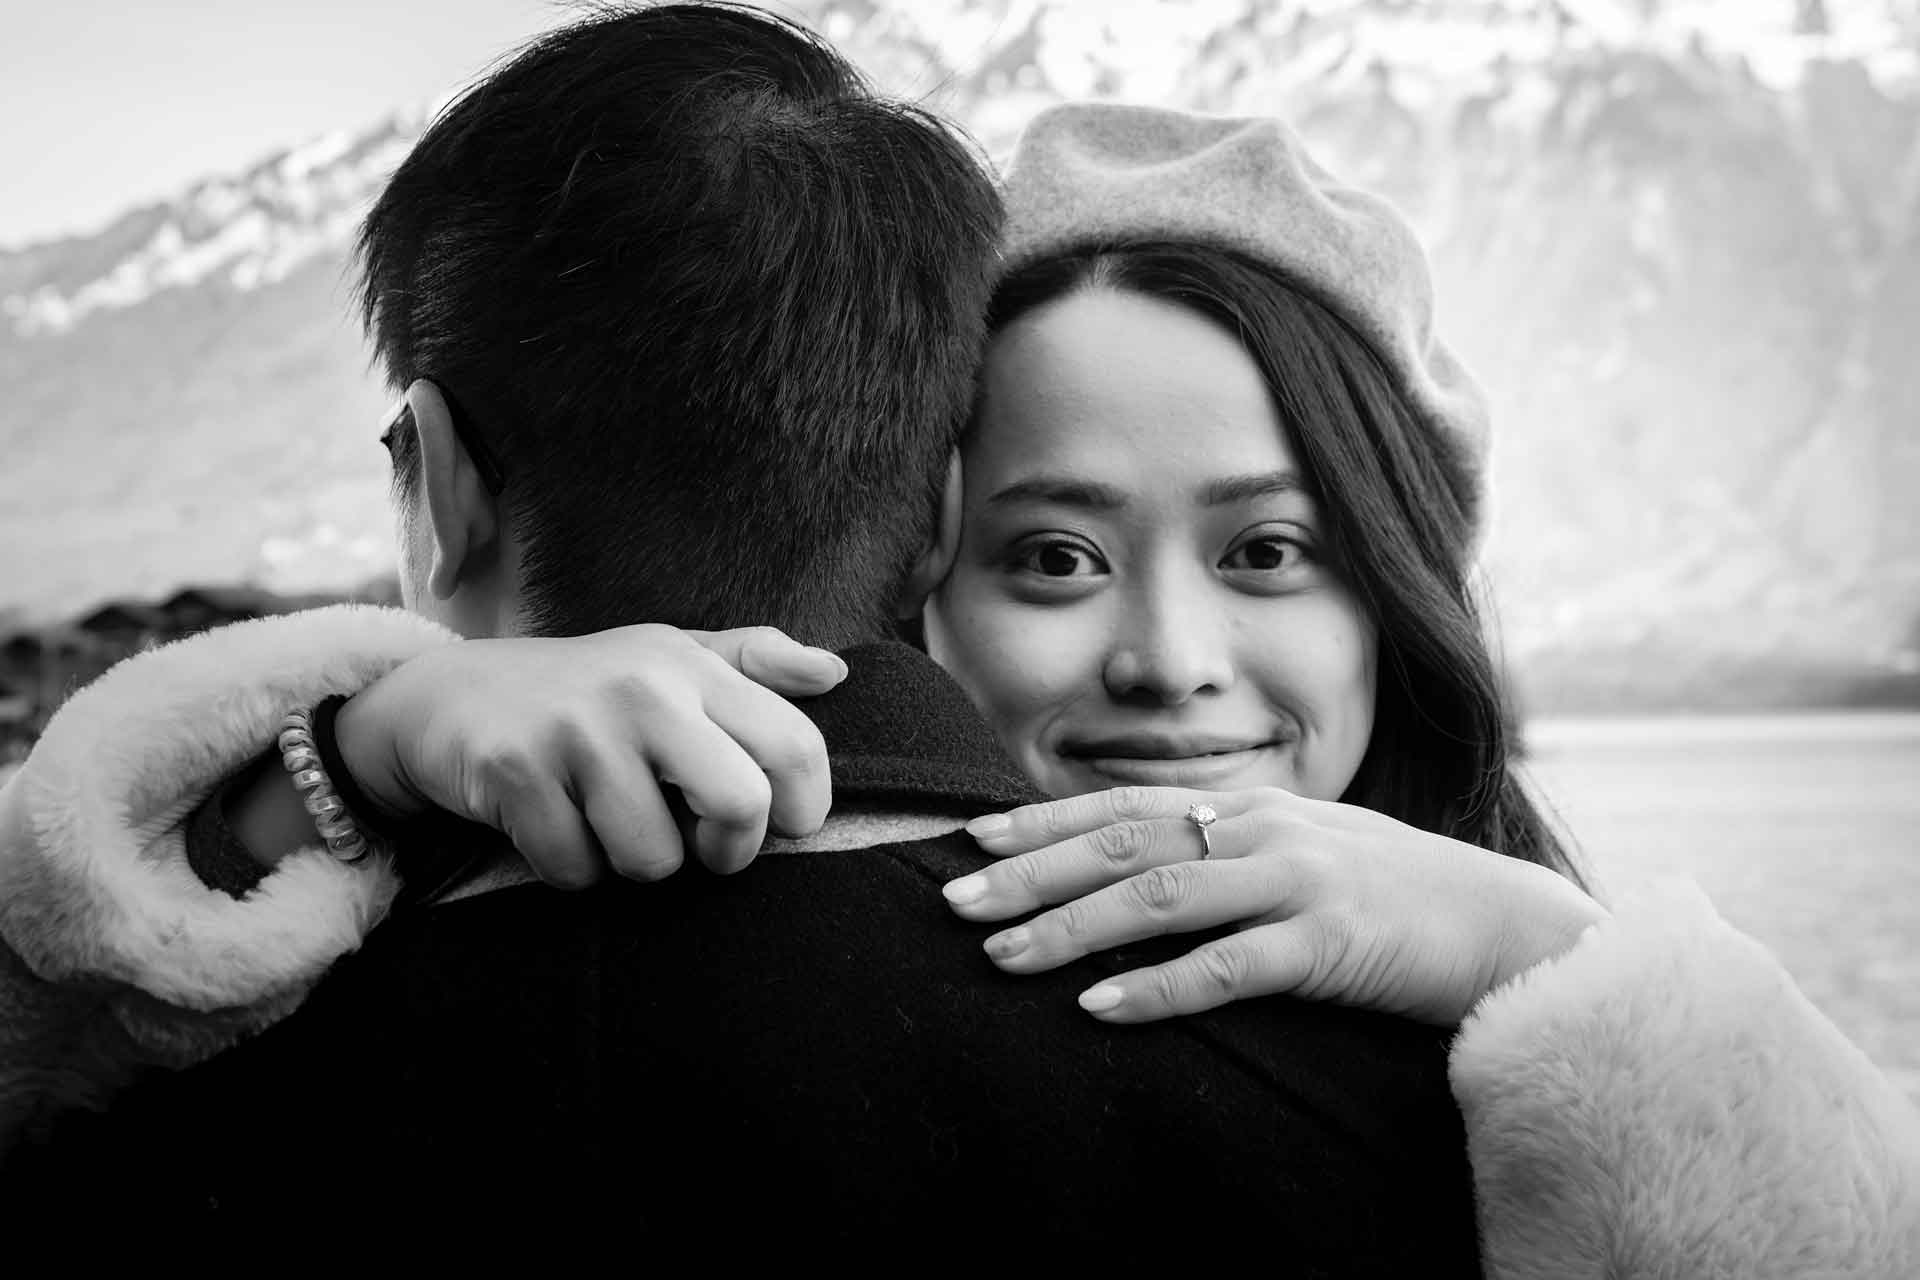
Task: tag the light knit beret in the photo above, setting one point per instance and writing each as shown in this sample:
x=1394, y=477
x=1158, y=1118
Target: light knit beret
x=1088, y=174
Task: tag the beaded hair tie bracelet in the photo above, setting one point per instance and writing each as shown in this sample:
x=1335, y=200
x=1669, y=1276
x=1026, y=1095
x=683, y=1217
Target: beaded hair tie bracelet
x=330, y=816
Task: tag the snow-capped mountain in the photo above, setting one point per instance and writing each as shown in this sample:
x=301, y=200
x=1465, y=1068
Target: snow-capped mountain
x=240, y=231
x=187, y=399
x=1682, y=248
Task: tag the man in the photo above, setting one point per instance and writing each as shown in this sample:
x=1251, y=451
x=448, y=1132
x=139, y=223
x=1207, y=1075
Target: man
x=688, y=322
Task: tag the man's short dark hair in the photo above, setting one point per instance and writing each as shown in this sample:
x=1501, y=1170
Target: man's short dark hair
x=715, y=305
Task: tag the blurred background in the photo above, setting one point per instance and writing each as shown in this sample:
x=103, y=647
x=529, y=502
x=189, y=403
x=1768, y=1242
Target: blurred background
x=1678, y=239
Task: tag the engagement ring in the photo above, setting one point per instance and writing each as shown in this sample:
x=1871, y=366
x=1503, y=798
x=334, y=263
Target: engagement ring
x=1203, y=816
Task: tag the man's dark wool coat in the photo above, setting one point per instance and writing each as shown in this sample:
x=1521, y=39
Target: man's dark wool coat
x=815, y=1050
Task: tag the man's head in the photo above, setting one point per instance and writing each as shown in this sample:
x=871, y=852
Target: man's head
x=713, y=308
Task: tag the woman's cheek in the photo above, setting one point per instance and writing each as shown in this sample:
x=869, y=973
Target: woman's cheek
x=1018, y=662
x=964, y=636
x=1350, y=674
x=1323, y=676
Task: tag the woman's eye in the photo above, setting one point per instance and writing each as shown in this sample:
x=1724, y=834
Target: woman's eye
x=1057, y=560
x=1266, y=555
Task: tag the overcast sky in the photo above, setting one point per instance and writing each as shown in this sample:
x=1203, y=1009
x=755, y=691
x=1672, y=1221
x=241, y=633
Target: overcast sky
x=112, y=103
x=109, y=103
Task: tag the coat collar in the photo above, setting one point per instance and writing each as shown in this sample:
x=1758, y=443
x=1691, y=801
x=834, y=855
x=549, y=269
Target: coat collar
x=901, y=734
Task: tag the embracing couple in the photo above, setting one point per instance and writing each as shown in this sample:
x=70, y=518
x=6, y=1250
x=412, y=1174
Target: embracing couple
x=1139, y=502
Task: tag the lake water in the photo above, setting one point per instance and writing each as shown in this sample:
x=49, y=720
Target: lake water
x=1804, y=830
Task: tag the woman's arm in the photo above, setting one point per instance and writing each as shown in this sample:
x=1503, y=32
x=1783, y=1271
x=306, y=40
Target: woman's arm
x=1661, y=1100
x=115, y=954
x=1646, y=1091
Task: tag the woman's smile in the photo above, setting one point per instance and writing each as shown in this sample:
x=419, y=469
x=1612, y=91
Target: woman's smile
x=1171, y=758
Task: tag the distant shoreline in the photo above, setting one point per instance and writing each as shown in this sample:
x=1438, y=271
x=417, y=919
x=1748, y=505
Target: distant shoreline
x=1546, y=732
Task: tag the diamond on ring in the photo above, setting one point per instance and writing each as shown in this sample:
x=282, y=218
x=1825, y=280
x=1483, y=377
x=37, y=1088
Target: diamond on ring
x=1202, y=816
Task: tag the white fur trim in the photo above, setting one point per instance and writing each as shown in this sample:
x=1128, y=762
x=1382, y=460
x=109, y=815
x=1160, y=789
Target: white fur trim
x=94, y=884
x=1663, y=1101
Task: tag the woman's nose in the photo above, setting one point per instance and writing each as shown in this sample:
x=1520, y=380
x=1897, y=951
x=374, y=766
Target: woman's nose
x=1168, y=648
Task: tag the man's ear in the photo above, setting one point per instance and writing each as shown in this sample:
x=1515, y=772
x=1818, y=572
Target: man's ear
x=460, y=512
x=937, y=560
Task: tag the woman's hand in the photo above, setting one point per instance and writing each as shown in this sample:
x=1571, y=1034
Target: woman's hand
x=566, y=744
x=1329, y=902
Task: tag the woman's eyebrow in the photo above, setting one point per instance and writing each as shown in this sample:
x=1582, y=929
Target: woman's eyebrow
x=1232, y=489
x=1062, y=491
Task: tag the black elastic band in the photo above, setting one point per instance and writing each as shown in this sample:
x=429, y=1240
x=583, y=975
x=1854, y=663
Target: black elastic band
x=432, y=851
x=359, y=805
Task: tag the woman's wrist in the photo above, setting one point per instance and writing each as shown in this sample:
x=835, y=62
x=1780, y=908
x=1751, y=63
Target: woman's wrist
x=363, y=764
x=266, y=813
x=269, y=816
x=1550, y=920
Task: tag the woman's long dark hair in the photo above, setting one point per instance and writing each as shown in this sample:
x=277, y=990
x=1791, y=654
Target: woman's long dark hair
x=1396, y=513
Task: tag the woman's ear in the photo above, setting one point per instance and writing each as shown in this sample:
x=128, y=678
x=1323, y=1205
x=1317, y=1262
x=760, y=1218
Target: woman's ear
x=461, y=517
x=937, y=560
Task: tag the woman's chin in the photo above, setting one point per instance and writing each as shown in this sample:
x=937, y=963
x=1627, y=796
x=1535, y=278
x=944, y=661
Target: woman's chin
x=1227, y=771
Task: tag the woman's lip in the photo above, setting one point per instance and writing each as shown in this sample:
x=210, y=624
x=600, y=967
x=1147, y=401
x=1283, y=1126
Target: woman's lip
x=1158, y=747
x=1203, y=771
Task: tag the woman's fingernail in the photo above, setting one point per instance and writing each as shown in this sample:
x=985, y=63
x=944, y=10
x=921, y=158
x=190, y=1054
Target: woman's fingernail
x=827, y=658
x=964, y=890
x=989, y=826
x=1005, y=946
x=1101, y=998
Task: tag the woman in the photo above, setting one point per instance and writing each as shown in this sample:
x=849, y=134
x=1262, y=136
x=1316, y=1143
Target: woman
x=1279, y=601
x=1213, y=532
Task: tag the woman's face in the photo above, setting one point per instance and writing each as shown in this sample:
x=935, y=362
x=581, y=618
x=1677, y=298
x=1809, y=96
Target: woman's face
x=1139, y=594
